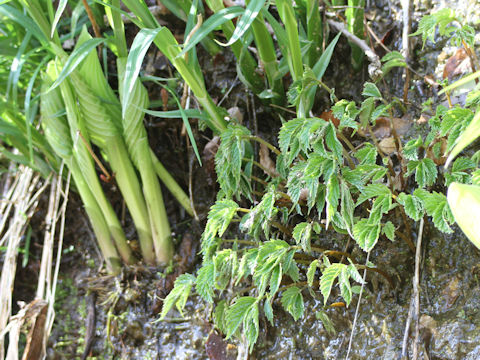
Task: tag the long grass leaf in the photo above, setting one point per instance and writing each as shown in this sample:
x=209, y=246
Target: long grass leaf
x=462, y=81
x=75, y=59
x=251, y=12
x=211, y=24
x=24, y=21
x=16, y=68
x=60, y=8
x=139, y=48
x=175, y=114
x=186, y=123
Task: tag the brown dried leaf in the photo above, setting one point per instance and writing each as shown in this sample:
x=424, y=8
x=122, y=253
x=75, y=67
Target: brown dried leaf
x=328, y=116
x=208, y=159
x=382, y=127
x=457, y=64
x=443, y=148
x=267, y=163
x=387, y=145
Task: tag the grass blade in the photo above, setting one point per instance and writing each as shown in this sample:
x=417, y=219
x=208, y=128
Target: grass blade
x=211, y=24
x=251, y=12
x=75, y=59
x=61, y=7
x=139, y=48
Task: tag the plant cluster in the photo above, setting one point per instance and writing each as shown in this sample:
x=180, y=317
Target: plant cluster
x=321, y=185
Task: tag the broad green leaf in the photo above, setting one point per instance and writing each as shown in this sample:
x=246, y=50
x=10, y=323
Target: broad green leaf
x=373, y=190
x=292, y=302
x=391, y=60
x=275, y=279
x=219, y=316
x=464, y=201
x=251, y=327
x=327, y=323
x=367, y=154
x=410, y=150
x=366, y=234
x=328, y=278
x=332, y=197
x=471, y=133
x=179, y=294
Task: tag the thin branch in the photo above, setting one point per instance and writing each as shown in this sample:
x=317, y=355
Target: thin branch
x=357, y=309
x=416, y=289
x=375, y=67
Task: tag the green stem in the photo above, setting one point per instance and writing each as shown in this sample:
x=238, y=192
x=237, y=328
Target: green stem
x=171, y=184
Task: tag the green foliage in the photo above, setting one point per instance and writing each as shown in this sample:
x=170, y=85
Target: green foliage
x=445, y=19
x=179, y=295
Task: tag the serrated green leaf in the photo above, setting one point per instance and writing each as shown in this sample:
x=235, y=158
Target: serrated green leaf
x=219, y=316
x=373, y=190
x=312, y=268
x=388, y=230
x=236, y=313
x=302, y=234
x=332, y=197
x=292, y=302
x=366, y=234
x=367, y=154
x=328, y=278
x=267, y=309
x=205, y=283
x=412, y=204
x=327, y=323
x=275, y=279
x=347, y=206
x=410, y=150
x=425, y=171
x=333, y=143
x=250, y=326
x=345, y=288
x=219, y=217
x=436, y=206
x=179, y=294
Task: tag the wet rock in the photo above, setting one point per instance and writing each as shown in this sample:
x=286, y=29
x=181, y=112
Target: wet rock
x=135, y=331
